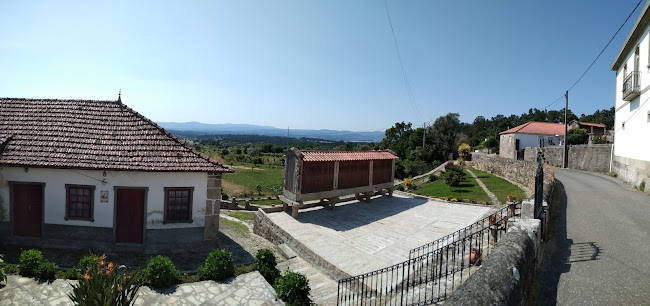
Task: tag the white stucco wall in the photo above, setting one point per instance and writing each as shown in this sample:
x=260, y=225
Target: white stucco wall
x=633, y=141
x=532, y=140
x=56, y=179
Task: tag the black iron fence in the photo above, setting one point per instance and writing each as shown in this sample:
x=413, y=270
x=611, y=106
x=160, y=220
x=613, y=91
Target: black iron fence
x=539, y=190
x=433, y=270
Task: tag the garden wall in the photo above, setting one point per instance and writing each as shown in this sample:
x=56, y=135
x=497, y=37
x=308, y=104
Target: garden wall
x=520, y=172
x=593, y=158
x=508, y=275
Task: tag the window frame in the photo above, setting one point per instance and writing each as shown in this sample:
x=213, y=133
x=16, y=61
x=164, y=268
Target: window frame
x=91, y=217
x=189, y=204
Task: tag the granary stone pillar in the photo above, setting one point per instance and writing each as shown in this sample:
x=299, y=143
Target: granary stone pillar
x=212, y=206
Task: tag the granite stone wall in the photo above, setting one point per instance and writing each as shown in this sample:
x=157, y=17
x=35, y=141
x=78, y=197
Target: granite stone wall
x=593, y=158
x=520, y=172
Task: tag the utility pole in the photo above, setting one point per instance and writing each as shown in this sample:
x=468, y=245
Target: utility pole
x=424, y=129
x=565, y=161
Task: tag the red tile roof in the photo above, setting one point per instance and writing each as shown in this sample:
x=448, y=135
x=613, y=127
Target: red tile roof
x=591, y=124
x=541, y=128
x=85, y=134
x=346, y=155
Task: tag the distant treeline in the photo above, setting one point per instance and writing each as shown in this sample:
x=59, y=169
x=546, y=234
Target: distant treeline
x=270, y=144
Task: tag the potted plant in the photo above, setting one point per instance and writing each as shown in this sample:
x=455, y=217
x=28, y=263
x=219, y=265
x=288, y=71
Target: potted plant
x=475, y=256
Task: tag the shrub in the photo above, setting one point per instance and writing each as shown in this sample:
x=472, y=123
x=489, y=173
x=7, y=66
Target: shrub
x=29, y=262
x=293, y=288
x=10, y=268
x=453, y=176
x=224, y=196
x=433, y=177
x=105, y=284
x=408, y=183
x=265, y=263
x=600, y=139
x=463, y=150
x=160, y=272
x=400, y=187
x=46, y=270
x=449, y=164
x=612, y=174
x=218, y=266
x=642, y=186
x=82, y=267
x=3, y=276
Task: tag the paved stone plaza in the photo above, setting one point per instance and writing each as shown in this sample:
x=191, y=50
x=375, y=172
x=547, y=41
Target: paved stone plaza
x=247, y=289
x=359, y=237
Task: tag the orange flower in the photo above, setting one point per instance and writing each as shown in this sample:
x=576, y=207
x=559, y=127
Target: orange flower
x=110, y=266
x=86, y=276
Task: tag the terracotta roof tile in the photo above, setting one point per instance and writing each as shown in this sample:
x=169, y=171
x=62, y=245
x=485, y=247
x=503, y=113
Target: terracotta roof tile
x=346, y=155
x=533, y=127
x=91, y=135
x=591, y=124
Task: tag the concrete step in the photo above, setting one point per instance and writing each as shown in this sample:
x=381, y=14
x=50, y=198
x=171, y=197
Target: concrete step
x=324, y=290
x=286, y=251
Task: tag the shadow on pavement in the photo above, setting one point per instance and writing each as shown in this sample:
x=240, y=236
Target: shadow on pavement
x=558, y=251
x=350, y=216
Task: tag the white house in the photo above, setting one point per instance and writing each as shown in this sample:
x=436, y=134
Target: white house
x=631, y=159
x=97, y=173
x=529, y=135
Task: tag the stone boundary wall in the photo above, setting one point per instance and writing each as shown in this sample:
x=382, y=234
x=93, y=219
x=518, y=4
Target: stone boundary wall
x=508, y=275
x=272, y=232
x=520, y=172
x=593, y=158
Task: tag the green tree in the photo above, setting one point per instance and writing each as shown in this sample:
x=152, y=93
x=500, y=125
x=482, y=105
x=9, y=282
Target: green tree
x=397, y=139
x=577, y=136
x=444, y=133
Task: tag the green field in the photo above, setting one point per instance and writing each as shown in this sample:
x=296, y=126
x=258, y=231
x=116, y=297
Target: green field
x=244, y=181
x=234, y=225
x=500, y=187
x=469, y=189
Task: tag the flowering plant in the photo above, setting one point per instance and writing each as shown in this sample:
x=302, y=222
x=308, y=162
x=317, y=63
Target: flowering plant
x=105, y=284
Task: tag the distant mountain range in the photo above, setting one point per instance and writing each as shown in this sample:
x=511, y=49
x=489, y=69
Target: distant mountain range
x=251, y=129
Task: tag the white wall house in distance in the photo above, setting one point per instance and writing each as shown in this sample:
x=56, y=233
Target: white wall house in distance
x=632, y=119
x=97, y=173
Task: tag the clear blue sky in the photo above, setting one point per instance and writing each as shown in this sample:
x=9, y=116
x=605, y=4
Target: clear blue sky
x=313, y=64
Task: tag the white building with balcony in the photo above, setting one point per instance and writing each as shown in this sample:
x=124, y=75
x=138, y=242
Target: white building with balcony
x=631, y=160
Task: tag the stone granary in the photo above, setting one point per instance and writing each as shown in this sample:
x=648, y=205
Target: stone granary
x=328, y=175
x=99, y=174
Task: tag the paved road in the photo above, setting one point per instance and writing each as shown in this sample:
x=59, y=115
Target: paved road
x=600, y=254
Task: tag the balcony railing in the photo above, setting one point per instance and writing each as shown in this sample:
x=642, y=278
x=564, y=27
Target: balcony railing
x=632, y=86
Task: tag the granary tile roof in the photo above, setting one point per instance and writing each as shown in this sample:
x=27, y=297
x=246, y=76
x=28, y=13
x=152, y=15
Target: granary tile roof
x=104, y=135
x=309, y=155
x=541, y=128
x=591, y=124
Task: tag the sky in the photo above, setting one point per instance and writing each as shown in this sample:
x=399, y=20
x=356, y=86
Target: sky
x=321, y=64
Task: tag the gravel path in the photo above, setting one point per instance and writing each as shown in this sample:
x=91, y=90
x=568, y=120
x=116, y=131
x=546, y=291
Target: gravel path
x=493, y=197
x=599, y=254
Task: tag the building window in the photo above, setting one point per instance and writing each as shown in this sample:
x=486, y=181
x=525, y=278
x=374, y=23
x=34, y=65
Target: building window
x=79, y=202
x=178, y=204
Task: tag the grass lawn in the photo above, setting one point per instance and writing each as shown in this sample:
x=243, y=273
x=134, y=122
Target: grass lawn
x=234, y=225
x=500, y=187
x=469, y=189
x=246, y=216
x=244, y=180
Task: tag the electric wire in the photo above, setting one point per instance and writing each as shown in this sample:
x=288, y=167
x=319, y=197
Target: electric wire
x=401, y=63
x=599, y=54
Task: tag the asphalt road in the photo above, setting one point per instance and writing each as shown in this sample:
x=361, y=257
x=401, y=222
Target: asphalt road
x=600, y=252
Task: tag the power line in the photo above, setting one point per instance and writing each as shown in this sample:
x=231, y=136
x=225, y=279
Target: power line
x=401, y=63
x=607, y=45
x=599, y=54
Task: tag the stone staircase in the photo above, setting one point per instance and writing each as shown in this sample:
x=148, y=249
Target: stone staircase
x=324, y=290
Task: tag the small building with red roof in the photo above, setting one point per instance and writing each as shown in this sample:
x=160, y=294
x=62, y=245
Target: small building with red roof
x=320, y=175
x=97, y=173
x=593, y=129
x=530, y=134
